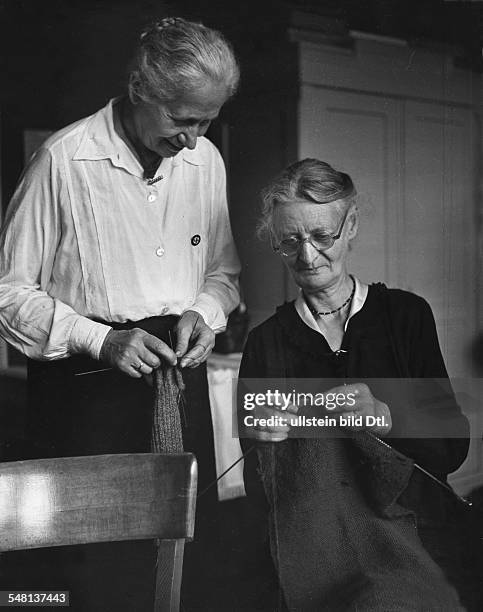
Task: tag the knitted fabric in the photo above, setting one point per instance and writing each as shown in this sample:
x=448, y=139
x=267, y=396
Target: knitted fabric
x=337, y=549
x=166, y=433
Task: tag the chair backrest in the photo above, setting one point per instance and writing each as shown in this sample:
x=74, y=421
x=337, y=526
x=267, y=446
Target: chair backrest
x=81, y=500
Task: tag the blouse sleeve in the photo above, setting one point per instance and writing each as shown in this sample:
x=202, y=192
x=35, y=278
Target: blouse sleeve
x=31, y=320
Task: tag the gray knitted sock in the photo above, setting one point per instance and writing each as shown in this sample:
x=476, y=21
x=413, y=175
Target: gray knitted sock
x=166, y=433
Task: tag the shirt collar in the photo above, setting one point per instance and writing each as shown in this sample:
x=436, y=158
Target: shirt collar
x=101, y=141
x=357, y=303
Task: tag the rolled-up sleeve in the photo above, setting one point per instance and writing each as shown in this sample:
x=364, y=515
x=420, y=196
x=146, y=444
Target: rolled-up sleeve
x=31, y=320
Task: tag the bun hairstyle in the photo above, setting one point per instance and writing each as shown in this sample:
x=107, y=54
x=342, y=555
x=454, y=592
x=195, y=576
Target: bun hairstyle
x=175, y=56
x=160, y=25
x=311, y=180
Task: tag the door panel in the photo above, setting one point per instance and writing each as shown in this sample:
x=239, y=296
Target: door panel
x=438, y=258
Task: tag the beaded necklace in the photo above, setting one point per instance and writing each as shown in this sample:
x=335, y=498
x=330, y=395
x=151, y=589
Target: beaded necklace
x=322, y=313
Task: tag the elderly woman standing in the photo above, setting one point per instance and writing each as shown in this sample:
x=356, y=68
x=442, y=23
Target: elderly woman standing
x=340, y=509
x=116, y=255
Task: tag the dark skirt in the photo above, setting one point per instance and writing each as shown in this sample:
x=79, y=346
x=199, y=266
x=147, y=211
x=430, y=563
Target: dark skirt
x=72, y=413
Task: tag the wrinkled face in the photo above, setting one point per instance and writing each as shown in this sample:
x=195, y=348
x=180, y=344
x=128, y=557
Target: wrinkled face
x=313, y=270
x=168, y=127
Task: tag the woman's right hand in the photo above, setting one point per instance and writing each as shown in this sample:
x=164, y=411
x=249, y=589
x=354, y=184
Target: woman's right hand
x=365, y=406
x=135, y=352
x=268, y=424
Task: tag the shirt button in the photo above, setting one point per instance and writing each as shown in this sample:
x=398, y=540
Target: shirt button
x=152, y=197
x=164, y=310
x=160, y=251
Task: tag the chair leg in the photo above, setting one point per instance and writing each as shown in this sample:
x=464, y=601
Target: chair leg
x=168, y=575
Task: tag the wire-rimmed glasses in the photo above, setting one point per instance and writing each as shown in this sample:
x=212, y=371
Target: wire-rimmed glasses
x=320, y=240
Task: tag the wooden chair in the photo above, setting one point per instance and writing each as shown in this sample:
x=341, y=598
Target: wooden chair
x=81, y=500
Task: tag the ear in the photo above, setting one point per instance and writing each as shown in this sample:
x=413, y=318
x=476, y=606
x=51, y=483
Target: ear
x=132, y=88
x=272, y=238
x=353, y=223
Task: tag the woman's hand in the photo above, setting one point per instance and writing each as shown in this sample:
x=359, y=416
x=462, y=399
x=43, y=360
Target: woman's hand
x=268, y=423
x=135, y=352
x=194, y=339
x=375, y=415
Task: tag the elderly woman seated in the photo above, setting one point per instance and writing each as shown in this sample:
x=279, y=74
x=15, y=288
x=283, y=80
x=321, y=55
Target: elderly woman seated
x=352, y=521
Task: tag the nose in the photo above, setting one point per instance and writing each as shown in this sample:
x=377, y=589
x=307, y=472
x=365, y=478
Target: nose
x=307, y=252
x=188, y=137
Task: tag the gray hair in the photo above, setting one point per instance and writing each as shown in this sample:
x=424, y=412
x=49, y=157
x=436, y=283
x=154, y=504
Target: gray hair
x=311, y=180
x=175, y=56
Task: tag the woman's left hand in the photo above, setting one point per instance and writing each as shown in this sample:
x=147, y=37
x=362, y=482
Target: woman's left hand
x=375, y=415
x=194, y=339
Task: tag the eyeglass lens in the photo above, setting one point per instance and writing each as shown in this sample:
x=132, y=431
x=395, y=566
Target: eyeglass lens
x=318, y=241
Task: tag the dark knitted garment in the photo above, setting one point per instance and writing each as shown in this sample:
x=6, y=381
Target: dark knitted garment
x=345, y=517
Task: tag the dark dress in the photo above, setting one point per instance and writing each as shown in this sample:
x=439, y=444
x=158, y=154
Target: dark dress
x=346, y=515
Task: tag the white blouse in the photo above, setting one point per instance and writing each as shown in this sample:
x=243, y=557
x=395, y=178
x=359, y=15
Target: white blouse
x=87, y=237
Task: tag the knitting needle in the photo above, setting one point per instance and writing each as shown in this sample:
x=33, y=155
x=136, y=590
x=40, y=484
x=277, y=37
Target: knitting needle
x=180, y=399
x=445, y=486
x=108, y=369
x=93, y=371
x=225, y=472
